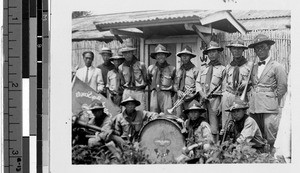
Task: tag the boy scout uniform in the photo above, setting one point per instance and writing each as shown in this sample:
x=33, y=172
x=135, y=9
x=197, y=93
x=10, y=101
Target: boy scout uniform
x=211, y=77
x=134, y=77
x=186, y=79
x=114, y=83
x=232, y=82
x=161, y=78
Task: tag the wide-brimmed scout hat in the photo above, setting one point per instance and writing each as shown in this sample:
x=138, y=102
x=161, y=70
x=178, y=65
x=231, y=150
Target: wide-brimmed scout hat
x=130, y=99
x=260, y=38
x=160, y=49
x=238, y=42
x=194, y=105
x=213, y=46
x=127, y=49
x=96, y=105
x=186, y=50
x=106, y=50
x=117, y=57
x=238, y=104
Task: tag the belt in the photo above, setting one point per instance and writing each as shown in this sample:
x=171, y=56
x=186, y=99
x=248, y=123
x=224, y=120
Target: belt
x=262, y=89
x=137, y=88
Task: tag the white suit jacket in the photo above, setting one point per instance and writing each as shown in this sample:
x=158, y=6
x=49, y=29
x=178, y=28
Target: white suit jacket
x=95, y=79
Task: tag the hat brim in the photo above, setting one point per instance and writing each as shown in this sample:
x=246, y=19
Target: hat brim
x=153, y=55
x=181, y=53
x=269, y=42
x=98, y=107
x=232, y=109
x=111, y=59
x=237, y=45
x=220, y=49
x=137, y=103
x=127, y=50
x=198, y=109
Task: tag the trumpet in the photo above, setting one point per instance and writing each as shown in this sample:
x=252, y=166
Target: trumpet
x=179, y=101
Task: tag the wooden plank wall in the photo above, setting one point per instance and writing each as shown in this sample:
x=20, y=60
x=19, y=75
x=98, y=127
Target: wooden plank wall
x=280, y=51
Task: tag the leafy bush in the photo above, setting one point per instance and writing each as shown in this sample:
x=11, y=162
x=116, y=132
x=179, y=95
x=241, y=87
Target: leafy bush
x=133, y=154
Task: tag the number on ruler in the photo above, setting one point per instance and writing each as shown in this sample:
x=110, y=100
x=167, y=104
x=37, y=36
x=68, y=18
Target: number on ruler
x=14, y=84
x=19, y=167
x=14, y=152
x=45, y=17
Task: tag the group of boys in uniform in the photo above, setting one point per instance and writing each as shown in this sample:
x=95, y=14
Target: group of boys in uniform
x=205, y=93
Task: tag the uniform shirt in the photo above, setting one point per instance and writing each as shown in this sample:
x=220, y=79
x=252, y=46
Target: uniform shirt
x=202, y=133
x=166, y=79
x=249, y=133
x=243, y=75
x=105, y=126
x=140, y=74
x=114, y=81
x=129, y=126
x=190, y=80
x=105, y=68
x=216, y=80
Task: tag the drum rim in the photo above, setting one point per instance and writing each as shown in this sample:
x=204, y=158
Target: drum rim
x=171, y=121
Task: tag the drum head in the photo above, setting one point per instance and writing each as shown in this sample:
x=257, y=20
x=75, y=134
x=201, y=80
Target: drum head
x=162, y=140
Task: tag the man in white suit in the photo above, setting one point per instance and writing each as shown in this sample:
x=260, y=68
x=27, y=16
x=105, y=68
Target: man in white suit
x=269, y=84
x=90, y=75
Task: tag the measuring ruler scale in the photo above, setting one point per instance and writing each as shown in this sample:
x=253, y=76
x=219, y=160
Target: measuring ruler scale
x=12, y=79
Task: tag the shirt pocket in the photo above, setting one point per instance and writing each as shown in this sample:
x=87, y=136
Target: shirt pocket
x=166, y=80
x=189, y=80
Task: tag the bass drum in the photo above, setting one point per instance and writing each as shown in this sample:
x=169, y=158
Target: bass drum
x=162, y=140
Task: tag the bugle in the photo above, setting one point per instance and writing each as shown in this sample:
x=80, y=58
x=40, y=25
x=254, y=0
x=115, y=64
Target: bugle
x=179, y=101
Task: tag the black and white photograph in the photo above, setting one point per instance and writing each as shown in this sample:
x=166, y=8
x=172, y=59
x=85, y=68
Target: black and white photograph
x=173, y=86
x=181, y=87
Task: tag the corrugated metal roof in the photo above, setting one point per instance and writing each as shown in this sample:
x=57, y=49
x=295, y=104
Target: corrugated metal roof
x=269, y=23
x=87, y=23
x=250, y=19
x=154, y=15
x=259, y=14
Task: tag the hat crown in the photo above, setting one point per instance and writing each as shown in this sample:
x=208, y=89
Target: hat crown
x=213, y=44
x=160, y=48
x=105, y=50
x=96, y=105
x=187, y=49
x=260, y=37
x=238, y=41
x=239, y=104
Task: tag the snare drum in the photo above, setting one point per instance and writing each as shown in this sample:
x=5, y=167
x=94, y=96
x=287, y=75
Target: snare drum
x=162, y=140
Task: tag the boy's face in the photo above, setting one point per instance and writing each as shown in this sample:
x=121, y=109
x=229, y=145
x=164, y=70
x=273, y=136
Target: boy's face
x=130, y=107
x=161, y=58
x=185, y=58
x=213, y=54
x=194, y=114
x=238, y=114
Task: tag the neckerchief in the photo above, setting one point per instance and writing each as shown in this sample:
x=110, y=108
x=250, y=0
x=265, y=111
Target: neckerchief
x=105, y=67
x=236, y=63
x=209, y=74
x=156, y=81
x=239, y=125
x=131, y=71
x=130, y=119
x=214, y=63
x=192, y=126
x=184, y=68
